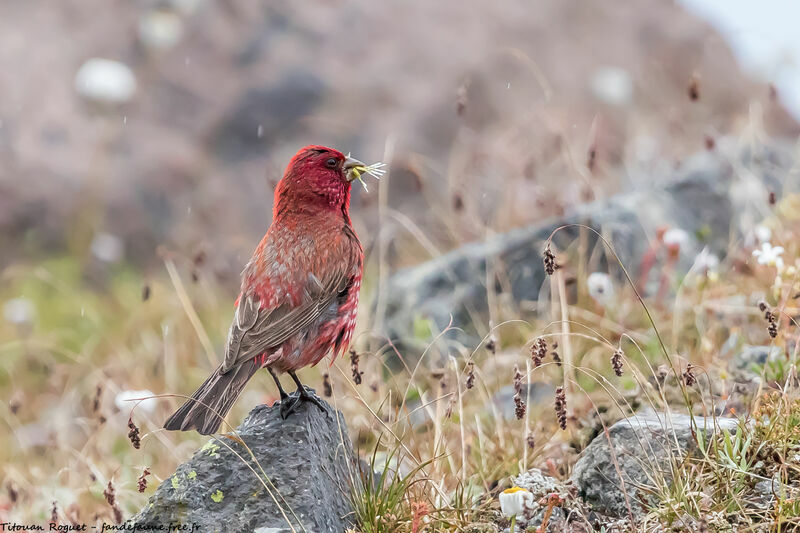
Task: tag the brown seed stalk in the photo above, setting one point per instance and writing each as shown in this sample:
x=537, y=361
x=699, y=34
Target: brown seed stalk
x=327, y=389
x=561, y=407
x=491, y=344
x=143, y=480
x=96, y=401
x=549, y=261
x=616, y=361
x=771, y=318
x=111, y=497
x=519, y=403
x=772, y=329
x=470, y=375
x=688, y=375
x=448, y=413
x=694, y=89
x=354, y=367
x=538, y=351
x=133, y=434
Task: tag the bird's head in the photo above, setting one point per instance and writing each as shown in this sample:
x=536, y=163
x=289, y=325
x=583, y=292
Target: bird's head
x=318, y=177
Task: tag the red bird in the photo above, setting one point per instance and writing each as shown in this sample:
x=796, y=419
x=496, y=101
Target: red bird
x=299, y=292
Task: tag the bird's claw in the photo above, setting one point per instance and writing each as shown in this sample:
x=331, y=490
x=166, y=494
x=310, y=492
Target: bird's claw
x=290, y=404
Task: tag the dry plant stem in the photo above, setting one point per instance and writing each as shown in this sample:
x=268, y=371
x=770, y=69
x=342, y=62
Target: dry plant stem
x=527, y=415
x=438, y=436
x=667, y=273
x=424, y=406
x=491, y=294
x=186, y=302
x=413, y=373
x=415, y=231
x=569, y=369
x=501, y=439
x=678, y=306
x=603, y=322
x=525, y=59
x=456, y=373
x=383, y=269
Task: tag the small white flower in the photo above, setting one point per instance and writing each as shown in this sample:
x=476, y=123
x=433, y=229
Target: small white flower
x=19, y=311
x=107, y=247
x=513, y=501
x=675, y=237
x=105, y=81
x=769, y=255
x=124, y=403
x=612, y=85
x=160, y=29
x=707, y=263
x=601, y=288
x=762, y=233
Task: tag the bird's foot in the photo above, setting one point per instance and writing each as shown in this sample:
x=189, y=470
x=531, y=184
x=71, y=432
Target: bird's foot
x=289, y=405
x=309, y=395
x=293, y=401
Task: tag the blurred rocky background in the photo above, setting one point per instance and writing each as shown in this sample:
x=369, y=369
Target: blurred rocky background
x=125, y=125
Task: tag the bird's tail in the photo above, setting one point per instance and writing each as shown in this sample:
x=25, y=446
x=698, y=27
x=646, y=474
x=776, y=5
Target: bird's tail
x=211, y=402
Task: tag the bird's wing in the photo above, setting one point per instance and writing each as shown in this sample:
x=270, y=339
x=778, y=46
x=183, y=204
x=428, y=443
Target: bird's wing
x=256, y=329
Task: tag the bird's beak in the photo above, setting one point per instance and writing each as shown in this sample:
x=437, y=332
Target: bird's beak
x=353, y=168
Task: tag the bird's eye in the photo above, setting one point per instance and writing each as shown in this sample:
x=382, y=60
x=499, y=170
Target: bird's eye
x=331, y=162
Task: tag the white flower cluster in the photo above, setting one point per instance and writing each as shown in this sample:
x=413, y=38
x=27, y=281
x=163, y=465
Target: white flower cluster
x=772, y=256
x=601, y=288
x=769, y=255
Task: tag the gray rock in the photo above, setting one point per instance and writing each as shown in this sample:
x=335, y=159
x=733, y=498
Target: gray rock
x=264, y=114
x=766, y=490
x=308, y=461
x=754, y=357
x=712, y=198
x=453, y=285
x=644, y=446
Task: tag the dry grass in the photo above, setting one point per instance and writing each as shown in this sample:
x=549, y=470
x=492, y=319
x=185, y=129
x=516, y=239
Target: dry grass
x=450, y=446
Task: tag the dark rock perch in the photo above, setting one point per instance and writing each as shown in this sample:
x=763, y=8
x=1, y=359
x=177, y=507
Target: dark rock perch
x=309, y=465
